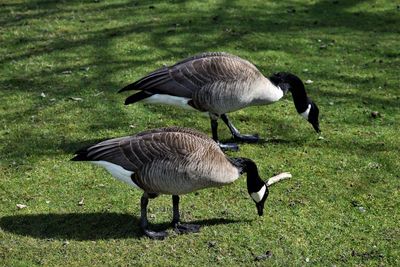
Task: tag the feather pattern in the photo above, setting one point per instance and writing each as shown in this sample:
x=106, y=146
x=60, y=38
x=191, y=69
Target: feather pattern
x=169, y=160
x=216, y=82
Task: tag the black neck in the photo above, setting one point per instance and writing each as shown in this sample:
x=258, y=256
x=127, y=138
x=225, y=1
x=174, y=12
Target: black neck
x=299, y=94
x=254, y=182
x=288, y=81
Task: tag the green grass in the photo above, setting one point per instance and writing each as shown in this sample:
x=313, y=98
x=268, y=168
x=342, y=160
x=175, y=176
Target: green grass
x=90, y=49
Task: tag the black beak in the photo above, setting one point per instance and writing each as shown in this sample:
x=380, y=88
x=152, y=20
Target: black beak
x=260, y=208
x=316, y=127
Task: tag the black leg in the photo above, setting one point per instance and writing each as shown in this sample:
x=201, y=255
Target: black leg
x=236, y=134
x=214, y=130
x=175, y=210
x=144, y=223
x=181, y=228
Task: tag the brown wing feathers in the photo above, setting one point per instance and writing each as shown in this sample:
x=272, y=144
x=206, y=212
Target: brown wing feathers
x=132, y=152
x=148, y=81
x=190, y=75
x=147, y=85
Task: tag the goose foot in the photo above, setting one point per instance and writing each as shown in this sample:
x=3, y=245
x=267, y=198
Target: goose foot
x=228, y=147
x=248, y=138
x=236, y=134
x=186, y=228
x=155, y=235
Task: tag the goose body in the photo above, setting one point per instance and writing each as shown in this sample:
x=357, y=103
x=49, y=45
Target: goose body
x=205, y=86
x=172, y=161
x=217, y=83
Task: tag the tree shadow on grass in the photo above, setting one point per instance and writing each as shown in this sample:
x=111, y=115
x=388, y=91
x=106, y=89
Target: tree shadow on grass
x=87, y=226
x=218, y=19
x=267, y=27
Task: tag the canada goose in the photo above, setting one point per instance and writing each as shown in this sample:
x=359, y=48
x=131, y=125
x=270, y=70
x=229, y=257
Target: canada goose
x=173, y=161
x=219, y=83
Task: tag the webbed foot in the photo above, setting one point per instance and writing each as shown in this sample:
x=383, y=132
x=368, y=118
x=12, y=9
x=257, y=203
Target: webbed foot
x=248, y=138
x=186, y=228
x=155, y=235
x=228, y=147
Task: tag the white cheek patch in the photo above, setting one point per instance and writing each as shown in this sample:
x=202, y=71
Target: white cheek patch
x=117, y=171
x=259, y=195
x=305, y=113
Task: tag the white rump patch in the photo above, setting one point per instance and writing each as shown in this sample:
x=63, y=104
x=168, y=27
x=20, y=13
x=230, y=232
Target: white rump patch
x=259, y=195
x=117, y=171
x=305, y=113
x=169, y=100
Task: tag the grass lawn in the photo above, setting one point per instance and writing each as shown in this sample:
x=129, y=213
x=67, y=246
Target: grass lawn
x=62, y=62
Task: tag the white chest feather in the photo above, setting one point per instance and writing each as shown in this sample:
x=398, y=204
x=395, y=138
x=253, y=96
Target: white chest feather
x=275, y=93
x=257, y=196
x=117, y=171
x=266, y=93
x=169, y=100
x=306, y=113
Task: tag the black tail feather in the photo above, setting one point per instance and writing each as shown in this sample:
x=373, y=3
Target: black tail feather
x=137, y=97
x=99, y=151
x=81, y=155
x=143, y=83
x=151, y=85
x=128, y=87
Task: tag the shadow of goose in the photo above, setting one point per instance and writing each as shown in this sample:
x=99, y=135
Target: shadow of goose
x=86, y=226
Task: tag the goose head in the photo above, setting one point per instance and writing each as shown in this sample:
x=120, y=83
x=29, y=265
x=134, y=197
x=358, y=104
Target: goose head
x=311, y=115
x=256, y=187
x=259, y=198
x=304, y=105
